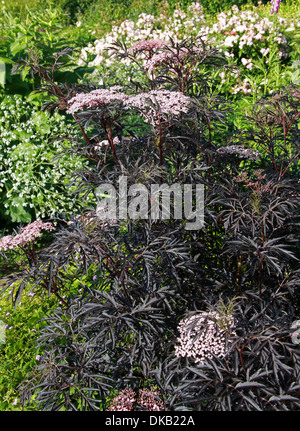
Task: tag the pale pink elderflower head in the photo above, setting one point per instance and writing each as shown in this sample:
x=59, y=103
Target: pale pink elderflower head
x=126, y=400
x=155, y=60
x=170, y=58
x=150, y=401
x=153, y=105
x=160, y=103
x=123, y=402
x=201, y=336
x=147, y=45
x=95, y=98
x=26, y=235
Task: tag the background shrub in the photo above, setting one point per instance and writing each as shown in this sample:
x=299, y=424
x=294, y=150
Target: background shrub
x=33, y=184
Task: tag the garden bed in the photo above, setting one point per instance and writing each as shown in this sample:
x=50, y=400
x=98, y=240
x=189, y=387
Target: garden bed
x=150, y=190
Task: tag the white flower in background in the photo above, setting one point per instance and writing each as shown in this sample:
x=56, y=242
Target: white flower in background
x=247, y=62
x=230, y=41
x=232, y=31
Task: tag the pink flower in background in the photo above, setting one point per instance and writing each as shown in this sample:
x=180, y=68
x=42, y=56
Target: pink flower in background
x=171, y=58
x=156, y=59
x=275, y=6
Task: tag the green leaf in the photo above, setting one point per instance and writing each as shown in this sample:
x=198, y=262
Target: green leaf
x=6, y=60
x=25, y=72
x=16, y=212
x=16, y=47
x=2, y=73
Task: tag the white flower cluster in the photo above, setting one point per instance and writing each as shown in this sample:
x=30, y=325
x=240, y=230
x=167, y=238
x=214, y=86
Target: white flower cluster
x=29, y=178
x=246, y=29
x=203, y=335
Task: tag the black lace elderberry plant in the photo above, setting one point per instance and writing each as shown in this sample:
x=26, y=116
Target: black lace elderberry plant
x=140, y=276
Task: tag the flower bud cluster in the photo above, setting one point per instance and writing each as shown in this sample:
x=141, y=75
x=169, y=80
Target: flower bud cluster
x=258, y=185
x=203, y=335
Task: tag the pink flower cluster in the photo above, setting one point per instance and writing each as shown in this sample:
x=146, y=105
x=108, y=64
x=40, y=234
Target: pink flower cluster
x=160, y=103
x=123, y=402
x=149, y=400
x=257, y=185
x=275, y=6
x=147, y=45
x=150, y=51
x=26, y=235
x=201, y=336
x=169, y=58
x=99, y=97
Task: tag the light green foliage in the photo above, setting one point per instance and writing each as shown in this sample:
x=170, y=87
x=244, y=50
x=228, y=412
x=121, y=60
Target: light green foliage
x=18, y=355
x=32, y=183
